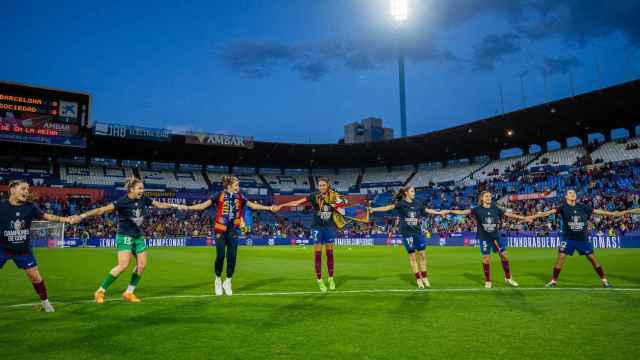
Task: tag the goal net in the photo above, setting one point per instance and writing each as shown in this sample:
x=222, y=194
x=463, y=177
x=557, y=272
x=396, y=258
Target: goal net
x=48, y=234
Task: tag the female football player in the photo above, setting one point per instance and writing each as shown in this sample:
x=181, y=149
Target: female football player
x=488, y=216
x=574, y=217
x=229, y=220
x=131, y=210
x=414, y=241
x=16, y=215
x=327, y=206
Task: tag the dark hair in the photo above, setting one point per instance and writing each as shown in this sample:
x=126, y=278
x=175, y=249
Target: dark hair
x=481, y=196
x=228, y=180
x=402, y=193
x=131, y=182
x=325, y=179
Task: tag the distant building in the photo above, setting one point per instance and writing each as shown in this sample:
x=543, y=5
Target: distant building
x=367, y=130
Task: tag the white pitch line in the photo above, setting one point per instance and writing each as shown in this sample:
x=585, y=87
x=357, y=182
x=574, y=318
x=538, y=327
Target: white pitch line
x=345, y=292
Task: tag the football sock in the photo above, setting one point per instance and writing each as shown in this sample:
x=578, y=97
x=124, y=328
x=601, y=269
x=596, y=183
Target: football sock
x=41, y=290
x=330, y=262
x=318, y=264
x=556, y=274
x=107, y=281
x=487, y=272
x=507, y=271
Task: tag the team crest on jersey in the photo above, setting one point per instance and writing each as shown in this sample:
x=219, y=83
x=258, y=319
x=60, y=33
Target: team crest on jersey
x=137, y=217
x=325, y=213
x=412, y=218
x=489, y=225
x=576, y=223
x=17, y=224
x=18, y=214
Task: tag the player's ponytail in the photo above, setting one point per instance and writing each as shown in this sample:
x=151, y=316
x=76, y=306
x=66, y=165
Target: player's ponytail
x=131, y=183
x=401, y=194
x=228, y=181
x=398, y=196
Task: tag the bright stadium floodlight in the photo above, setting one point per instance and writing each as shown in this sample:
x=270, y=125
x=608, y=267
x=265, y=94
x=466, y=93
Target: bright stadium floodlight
x=400, y=13
x=399, y=10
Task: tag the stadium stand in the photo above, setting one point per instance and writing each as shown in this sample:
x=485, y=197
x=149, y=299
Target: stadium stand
x=499, y=167
x=174, y=180
x=437, y=175
x=251, y=184
x=620, y=150
x=563, y=157
x=93, y=175
x=609, y=186
x=288, y=183
x=342, y=182
x=38, y=174
x=381, y=175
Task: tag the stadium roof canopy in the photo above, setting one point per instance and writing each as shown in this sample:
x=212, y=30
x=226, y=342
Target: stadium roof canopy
x=595, y=112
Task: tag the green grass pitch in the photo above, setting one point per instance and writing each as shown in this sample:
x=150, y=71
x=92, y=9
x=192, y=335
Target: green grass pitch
x=180, y=319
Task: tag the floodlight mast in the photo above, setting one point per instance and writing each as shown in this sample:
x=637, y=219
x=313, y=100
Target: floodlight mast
x=400, y=14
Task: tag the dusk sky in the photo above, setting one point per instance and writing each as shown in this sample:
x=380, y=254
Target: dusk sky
x=297, y=71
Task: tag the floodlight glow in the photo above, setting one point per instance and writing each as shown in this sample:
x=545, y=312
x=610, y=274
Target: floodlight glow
x=399, y=10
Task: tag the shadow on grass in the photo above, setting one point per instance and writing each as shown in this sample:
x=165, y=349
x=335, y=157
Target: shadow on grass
x=514, y=299
x=476, y=278
x=93, y=330
x=297, y=310
x=407, y=278
x=634, y=280
x=341, y=280
x=543, y=277
x=413, y=304
x=261, y=283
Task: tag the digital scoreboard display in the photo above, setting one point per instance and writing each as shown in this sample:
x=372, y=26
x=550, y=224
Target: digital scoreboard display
x=46, y=116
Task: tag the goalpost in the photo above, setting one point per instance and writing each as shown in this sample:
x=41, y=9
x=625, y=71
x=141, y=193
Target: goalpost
x=48, y=234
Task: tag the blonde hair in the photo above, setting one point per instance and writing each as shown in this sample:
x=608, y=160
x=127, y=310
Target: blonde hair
x=14, y=183
x=229, y=180
x=131, y=183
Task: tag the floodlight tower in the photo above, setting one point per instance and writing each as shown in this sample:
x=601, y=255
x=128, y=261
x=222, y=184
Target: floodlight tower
x=400, y=13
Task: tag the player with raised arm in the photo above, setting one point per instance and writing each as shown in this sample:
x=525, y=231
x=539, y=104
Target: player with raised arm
x=131, y=210
x=328, y=208
x=229, y=220
x=488, y=216
x=574, y=217
x=16, y=215
x=414, y=241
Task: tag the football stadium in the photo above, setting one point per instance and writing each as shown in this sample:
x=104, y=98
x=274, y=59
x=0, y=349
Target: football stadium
x=511, y=233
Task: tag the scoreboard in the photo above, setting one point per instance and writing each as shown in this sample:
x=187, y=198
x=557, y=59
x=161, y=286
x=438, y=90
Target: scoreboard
x=45, y=116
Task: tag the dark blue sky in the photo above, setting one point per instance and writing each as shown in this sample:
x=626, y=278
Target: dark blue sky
x=297, y=71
